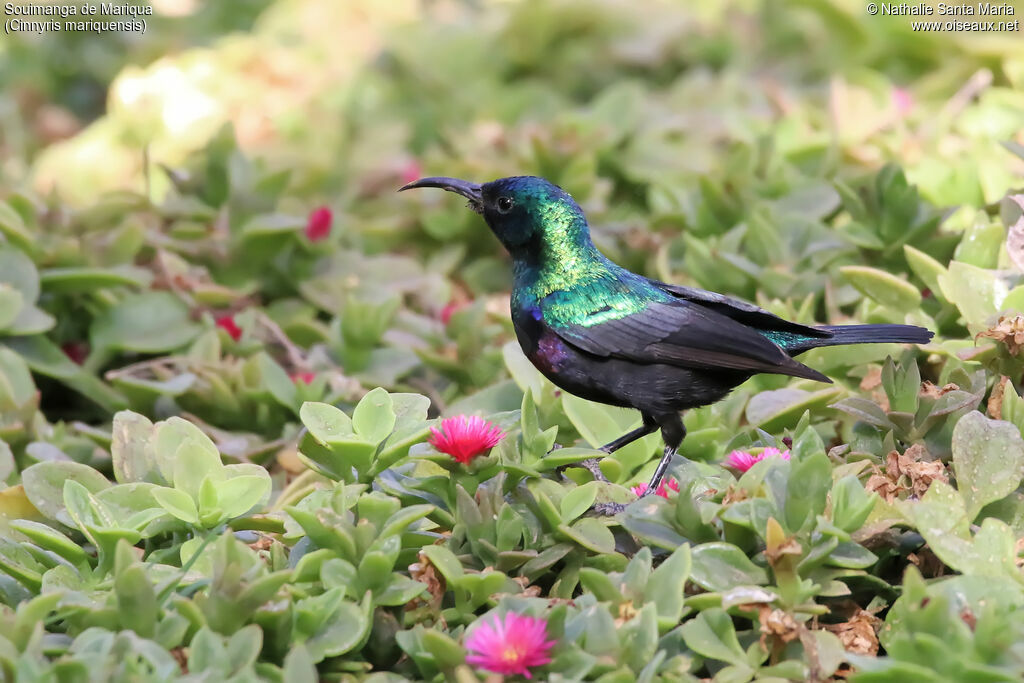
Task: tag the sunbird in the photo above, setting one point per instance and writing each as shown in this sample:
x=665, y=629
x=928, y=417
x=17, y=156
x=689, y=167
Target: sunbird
x=612, y=336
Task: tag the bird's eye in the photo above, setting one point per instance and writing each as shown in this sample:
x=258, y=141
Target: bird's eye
x=504, y=204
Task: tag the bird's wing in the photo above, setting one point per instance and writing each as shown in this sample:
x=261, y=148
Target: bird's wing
x=740, y=311
x=685, y=334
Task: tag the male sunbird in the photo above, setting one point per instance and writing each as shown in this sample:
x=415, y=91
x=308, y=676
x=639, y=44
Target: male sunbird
x=610, y=335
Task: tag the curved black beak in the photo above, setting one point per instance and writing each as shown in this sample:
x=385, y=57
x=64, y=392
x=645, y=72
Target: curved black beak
x=471, y=191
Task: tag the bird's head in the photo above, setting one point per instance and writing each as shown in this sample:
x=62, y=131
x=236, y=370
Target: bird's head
x=525, y=213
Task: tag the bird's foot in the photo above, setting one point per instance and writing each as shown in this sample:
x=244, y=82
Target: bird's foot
x=608, y=509
x=611, y=509
x=593, y=465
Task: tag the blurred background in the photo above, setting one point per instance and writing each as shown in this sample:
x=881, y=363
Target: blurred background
x=755, y=147
x=636, y=98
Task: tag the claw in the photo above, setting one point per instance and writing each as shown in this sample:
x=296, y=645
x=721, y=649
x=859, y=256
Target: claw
x=593, y=465
x=608, y=509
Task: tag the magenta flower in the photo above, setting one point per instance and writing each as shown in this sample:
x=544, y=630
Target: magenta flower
x=743, y=461
x=304, y=377
x=902, y=100
x=77, y=351
x=411, y=171
x=663, y=488
x=464, y=437
x=509, y=646
x=318, y=226
x=448, y=311
x=228, y=324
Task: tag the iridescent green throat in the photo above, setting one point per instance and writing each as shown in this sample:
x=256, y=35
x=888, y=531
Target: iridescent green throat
x=565, y=274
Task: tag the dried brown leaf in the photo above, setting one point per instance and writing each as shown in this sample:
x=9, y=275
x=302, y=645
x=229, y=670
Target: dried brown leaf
x=907, y=473
x=995, y=400
x=425, y=572
x=788, y=547
x=921, y=473
x=881, y=484
x=181, y=657
x=1008, y=331
x=872, y=380
x=529, y=590
x=859, y=634
x=734, y=495
x=927, y=562
x=929, y=390
x=776, y=624
x=263, y=543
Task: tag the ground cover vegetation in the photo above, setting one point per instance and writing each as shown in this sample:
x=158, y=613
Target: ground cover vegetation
x=261, y=418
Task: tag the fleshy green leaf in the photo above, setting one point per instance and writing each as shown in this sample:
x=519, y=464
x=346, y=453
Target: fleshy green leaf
x=712, y=635
x=720, y=566
x=150, y=322
x=374, y=416
x=883, y=287
x=178, y=503
x=989, y=459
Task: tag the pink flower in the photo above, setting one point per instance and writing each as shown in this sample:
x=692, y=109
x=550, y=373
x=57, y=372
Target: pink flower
x=663, y=488
x=75, y=350
x=510, y=646
x=464, y=437
x=304, y=377
x=228, y=324
x=318, y=226
x=743, y=461
x=449, y=310
x=411, y=172
x=902, y=100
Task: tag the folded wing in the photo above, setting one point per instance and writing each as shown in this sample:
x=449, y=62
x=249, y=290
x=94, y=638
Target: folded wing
x=741, y=311
x=686, y=334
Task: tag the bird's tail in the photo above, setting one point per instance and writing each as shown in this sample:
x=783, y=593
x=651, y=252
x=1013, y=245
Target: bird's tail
x=840, y=335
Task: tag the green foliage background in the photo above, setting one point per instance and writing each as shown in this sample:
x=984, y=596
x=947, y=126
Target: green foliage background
x=185, y=503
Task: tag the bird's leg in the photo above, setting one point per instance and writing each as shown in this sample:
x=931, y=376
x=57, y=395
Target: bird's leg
x=673, y=432
x=628, y=438
x=659, y=471
x=594, y=464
